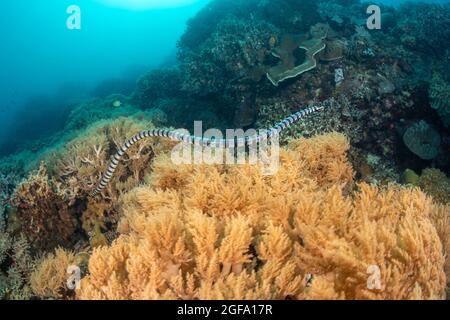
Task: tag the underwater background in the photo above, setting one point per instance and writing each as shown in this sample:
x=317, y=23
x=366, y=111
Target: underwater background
x=369, y=172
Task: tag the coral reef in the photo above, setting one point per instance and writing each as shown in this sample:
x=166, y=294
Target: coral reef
x=81, y=162
x=287, y=68
x=441, y=221
x=235, y=51
x=229, y=47
x=340, y=13
x=432, y=181
x=293, y=16
x=52, y=203
x=8, y=182
x=219, y=232
x=435, y=183
x=13, y=169
x=321, y=43
x=410, y=177
x=338, y=115
x=46, y=218
x=156, y=85
x=422, y=140
x=424, y=27
x=91, y=111
x=440, y=97
x=16, y=266
x=334, y=50
x=314, y=230
x=49, y=279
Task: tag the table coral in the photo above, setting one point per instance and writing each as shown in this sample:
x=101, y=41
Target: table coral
x=288, y=68
x=228, y=232
x=334, y=50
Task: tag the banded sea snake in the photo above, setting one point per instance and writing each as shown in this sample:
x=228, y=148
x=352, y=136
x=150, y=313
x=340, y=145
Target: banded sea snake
x=177, y=136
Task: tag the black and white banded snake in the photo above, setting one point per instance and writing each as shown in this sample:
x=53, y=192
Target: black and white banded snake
x=177, y=136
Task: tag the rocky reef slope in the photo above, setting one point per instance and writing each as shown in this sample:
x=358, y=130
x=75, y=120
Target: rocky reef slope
x=376, y=194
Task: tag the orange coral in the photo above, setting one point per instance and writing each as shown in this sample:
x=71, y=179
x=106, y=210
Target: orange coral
x=227, y=232
x=46, y=218
x=94, y=221
x=81, y=163
x=49, y=280
x=50, y=204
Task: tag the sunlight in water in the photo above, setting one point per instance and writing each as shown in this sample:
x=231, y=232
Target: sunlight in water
x=147, y=4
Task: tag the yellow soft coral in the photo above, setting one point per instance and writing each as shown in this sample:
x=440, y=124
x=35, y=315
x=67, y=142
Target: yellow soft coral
x=49, y=280
x=228, y=232
x=81, y=163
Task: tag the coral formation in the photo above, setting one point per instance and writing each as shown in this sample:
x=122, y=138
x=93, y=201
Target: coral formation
x=95, y=220
x=441, y=221
x=16, y=266
x=157, y=85
x=338, y=115
x=45, y=216
x=49, y=279
x=334, y=50
x=199, y=141
x=91, y=111
x=422, y=140
x=8, y=182
x=436, y=184
x=53, y=201
x=410, y=177
x=81, y=162
x=236, y=48
x=432, y=181
x=288, y=68
x=426, y=26
x=311, y=231
x=440, y=97
x=227, y=232
x=340, y=12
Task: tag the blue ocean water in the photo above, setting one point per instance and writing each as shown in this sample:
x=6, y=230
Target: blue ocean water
x=44, y=65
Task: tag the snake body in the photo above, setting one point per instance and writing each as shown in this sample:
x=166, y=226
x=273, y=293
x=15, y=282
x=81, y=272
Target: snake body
x=204, y=142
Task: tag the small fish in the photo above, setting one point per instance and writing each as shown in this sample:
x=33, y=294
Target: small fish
x=117, y=104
